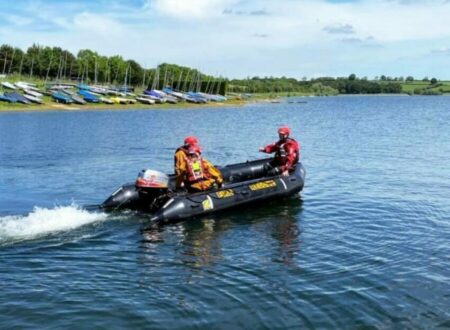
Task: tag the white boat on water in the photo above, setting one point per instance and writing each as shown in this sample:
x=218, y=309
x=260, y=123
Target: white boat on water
x=8, y=85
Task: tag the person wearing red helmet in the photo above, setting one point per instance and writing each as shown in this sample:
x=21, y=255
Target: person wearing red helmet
x=182, y=151
x=196, y=173
x=287, y=152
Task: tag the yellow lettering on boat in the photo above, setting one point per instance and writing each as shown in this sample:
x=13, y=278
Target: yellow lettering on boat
x=225, y=193
x=263, y=185
x=206, y=205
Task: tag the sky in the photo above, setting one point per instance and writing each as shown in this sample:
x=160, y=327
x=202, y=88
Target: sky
x=246, y=38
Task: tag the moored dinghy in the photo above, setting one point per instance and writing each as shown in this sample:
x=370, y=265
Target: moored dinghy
x=88, y=97
x=4, y=98
x=122, y=100
x=33, y=93
x=26, y=86
x=74, y=96
x=8, y=85
x=106, y=100
x=169, y=98
x=154, y=95
x=33, y=99
x=178, y=95
x=61, y=98
x=18, y=97
x=145, y=100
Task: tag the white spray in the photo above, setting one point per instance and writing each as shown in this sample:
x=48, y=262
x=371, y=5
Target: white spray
x=42, y=221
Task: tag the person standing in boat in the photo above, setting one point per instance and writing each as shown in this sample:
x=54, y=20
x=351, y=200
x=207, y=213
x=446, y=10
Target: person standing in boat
x=287, y=153
x=196, y=173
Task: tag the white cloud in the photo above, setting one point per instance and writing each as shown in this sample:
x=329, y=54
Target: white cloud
x=192, y=9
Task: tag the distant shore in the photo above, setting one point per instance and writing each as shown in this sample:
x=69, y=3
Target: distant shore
x=258, y=98
x=50, y=105
x=92, y=106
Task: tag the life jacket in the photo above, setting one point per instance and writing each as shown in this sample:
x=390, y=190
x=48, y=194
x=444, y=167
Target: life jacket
x=281, y=153
x=196, y=170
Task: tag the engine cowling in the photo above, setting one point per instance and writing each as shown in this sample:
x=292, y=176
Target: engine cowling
x=152, y=179
x=152, y=187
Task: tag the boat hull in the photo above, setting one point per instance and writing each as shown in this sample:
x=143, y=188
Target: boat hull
x=254, y=191
x=244, y=183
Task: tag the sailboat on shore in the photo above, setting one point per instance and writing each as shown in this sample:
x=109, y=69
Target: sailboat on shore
x=8, y=85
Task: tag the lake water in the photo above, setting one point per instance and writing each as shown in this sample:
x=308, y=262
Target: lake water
x=367, y=245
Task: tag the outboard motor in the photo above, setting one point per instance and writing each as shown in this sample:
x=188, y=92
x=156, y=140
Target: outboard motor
x=152, y=187
x=147, y=193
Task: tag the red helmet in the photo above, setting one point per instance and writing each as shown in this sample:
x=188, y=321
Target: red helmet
x=284, y=130
x=190, y=140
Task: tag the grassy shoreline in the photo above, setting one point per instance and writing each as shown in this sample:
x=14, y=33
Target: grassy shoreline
x=50, y=105
x=255, y=98
x=53, y=106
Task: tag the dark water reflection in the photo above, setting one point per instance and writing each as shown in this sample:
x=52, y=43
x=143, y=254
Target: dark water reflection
x=365, y=246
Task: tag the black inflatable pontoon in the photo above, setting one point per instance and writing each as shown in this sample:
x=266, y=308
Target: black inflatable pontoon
x=243, y=183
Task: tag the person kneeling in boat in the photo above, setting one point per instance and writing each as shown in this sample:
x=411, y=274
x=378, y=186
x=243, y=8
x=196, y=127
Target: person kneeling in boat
x=196, y=173
x=182, y=152
x=287, y=153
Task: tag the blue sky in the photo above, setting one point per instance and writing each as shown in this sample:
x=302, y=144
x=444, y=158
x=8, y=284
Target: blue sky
x=240, y=38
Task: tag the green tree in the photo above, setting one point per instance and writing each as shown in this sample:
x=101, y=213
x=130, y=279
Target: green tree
x=135, y=73
x=6, y=52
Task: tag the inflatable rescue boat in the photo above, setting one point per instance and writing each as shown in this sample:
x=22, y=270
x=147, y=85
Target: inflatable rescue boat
x=154, y=192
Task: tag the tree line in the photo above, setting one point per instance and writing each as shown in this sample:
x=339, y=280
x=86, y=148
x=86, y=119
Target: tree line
x=55, y=63
x=87, y=66
x=320, y=86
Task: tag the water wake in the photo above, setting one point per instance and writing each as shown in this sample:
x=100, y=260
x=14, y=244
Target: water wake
x=43, y=221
